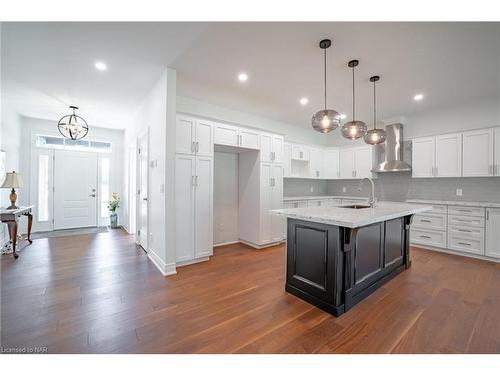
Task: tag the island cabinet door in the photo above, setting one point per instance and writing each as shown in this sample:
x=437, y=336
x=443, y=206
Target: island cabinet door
x=312, y=256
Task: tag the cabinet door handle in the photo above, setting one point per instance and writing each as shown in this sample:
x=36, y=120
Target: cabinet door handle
x=464, y=230
x=196, y=181
x=192, y=146
x=464, y=243
x=424, y=237
x=197, y=146
x=425, y=221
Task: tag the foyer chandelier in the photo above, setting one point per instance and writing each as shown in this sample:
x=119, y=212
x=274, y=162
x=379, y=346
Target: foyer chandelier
x=73, y=126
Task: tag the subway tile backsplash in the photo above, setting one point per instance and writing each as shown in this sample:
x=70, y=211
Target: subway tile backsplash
x=400, y=186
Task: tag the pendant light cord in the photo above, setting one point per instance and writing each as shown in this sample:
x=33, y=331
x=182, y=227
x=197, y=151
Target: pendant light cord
x=325, y=73
x=374, y=107
x=353, y=100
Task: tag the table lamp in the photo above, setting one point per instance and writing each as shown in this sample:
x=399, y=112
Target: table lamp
x=12, y=181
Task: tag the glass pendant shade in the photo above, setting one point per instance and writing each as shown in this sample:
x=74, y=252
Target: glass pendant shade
x=73, y=126
x=375, y=136
x=325, y=121
x=354, y=129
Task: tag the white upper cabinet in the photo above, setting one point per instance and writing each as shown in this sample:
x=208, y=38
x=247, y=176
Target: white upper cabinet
x=249, y=138
x=287, y=160
x=204, y=143
x=316, y=163
x=331, y=164
x=194, y=136
x=478, y=153
x=497, y=152
x=448, y=159
x=363, y=161
x=423, y=156
x=300, y=152
x=226, y=135
x=184, y=135
x=271, y=148
x=347, y=165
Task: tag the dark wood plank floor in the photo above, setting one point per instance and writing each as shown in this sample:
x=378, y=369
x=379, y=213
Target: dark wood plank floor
x=99, y=293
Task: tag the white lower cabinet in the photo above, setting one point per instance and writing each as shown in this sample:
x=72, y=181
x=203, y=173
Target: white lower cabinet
x=492, y=233
x=194, y=207
x=428, y=237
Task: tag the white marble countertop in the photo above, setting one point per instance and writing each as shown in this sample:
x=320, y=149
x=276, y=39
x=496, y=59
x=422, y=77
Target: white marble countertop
x=353, y=218
x=454, y=203
x=314, y=197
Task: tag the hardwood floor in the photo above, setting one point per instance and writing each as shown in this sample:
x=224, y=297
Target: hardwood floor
x=99, y=293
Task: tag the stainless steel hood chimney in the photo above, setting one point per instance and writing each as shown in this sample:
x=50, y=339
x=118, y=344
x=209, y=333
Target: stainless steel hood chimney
x=393, y=151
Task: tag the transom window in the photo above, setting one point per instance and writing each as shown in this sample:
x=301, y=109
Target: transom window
x=47, y=141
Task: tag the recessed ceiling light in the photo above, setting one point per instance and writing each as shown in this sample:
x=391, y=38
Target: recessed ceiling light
x=242, y=77
x=99, y=65
x=343, y=116
x=304, y=101
x=418, y=97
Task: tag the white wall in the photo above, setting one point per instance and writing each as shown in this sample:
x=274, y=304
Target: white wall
x=225, y=197
x=157, y=114
x=10, y=142
x=30, y=126
x=292, y=133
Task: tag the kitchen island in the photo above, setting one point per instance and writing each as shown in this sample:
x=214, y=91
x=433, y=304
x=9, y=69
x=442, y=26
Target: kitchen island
x=337, y=256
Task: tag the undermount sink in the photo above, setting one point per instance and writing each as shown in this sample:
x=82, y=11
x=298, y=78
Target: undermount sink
x=356, y=206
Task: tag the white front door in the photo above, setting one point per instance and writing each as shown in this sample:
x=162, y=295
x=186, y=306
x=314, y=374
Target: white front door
x=142, y=196
x=75, y=189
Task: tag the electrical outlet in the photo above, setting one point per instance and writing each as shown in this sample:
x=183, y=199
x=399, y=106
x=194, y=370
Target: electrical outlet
x=311, y=189
x=344, y=189
x=459, y=192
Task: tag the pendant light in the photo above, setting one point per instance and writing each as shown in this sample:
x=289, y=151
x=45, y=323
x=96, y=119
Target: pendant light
x=353, y=129
x=326, y=120
x=73, y=126
x=375, y=136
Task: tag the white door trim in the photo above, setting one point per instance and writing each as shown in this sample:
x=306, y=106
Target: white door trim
x=138, y=180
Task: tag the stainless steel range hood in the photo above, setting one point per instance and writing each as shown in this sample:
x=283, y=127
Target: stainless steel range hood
x=393, y=151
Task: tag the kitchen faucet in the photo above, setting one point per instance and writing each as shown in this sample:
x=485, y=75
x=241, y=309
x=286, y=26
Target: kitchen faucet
x=371, y=200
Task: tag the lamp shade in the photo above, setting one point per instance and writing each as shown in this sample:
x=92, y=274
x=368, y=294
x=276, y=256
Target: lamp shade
x=12, y=180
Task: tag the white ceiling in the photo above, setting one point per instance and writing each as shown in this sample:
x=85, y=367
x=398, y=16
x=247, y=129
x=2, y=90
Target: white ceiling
x=47, y=66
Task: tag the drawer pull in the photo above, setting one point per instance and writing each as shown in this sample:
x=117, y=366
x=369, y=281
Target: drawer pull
x=425, y=221
x=464, y=230
x=424, y=237
x=464, y=243
x=464, y=210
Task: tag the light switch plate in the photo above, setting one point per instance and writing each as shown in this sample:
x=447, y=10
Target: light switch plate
x=459, y=192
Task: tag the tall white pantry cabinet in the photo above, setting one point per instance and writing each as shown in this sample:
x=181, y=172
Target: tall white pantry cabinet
x=193, y=189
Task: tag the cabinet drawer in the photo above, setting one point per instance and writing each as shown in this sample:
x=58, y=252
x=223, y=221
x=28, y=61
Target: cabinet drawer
x=429, y=221
x=466, y=220
x=466, y=243
x=466, y=231
x=354, y=201
x=427, y=237
x=466, y=211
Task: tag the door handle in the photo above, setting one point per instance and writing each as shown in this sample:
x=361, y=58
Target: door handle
x=145, y=198
x=197, y=146
x=192, y=146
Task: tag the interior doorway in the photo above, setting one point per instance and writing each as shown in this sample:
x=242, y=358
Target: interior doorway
x=142, y=191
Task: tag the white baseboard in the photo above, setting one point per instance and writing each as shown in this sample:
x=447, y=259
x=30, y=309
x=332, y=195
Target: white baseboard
x=454, y=252
x=165, y=269
x=226, y=243
x=192, y=261
x=255, y=246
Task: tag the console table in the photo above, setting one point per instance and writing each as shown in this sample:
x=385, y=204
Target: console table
x=11, y=218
